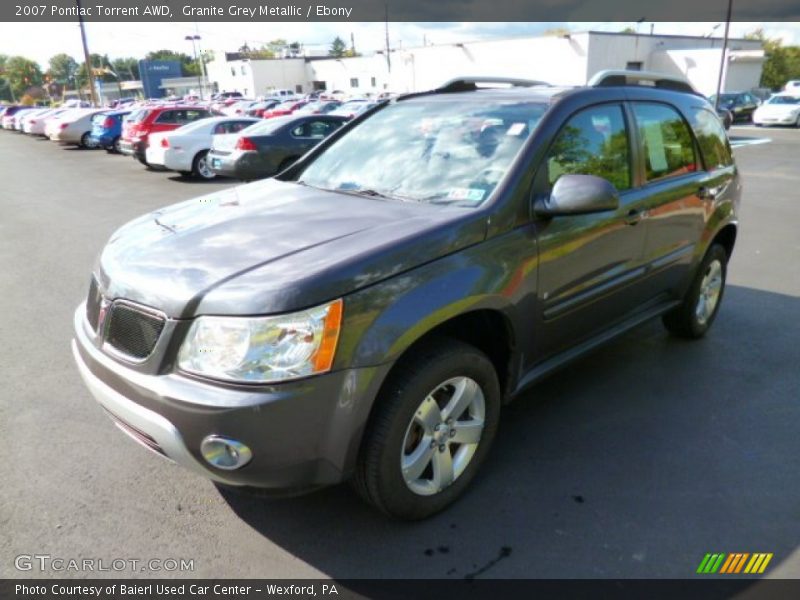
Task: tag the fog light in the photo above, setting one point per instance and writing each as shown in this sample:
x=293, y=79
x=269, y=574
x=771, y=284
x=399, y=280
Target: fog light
x=225, y=453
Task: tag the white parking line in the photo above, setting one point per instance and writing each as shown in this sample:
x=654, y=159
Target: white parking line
x=738, y=143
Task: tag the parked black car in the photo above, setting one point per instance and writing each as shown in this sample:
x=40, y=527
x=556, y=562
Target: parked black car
x=366, y=314
x=267, y=148
x=741, y=105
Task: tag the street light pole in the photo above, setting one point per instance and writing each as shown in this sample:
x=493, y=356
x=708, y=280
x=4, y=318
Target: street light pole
x=87, y=57
x=194, y=39
x=724, y=54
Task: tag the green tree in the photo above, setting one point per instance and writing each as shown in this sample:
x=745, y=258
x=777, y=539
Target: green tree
x=126, y=68
x=338, y=48
x=62, y=68
x=22, y=74
x=5, y=86
x=781, y=63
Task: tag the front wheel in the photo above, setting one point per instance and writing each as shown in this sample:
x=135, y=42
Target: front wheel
x=431, y=429
x=693, y=318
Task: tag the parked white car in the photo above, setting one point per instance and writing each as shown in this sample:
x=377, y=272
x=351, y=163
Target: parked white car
x=185, y=149
x=792, y=85
x=9, y=122
x=16, y=123
x=780, y=109
x=72, y=127
x=36, y=124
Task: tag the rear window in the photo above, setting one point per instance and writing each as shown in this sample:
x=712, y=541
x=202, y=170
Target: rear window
x=137, y=116
x=711, y=138
x=268, y=126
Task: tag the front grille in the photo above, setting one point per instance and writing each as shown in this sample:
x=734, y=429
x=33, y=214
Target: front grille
x=133, y=331
x=93, y=304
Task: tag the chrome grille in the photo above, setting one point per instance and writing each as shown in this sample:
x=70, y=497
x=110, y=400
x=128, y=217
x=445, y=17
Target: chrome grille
x=133, y=331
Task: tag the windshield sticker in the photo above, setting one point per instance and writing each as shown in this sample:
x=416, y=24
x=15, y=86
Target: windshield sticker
x=516, y=129
x=468, y=194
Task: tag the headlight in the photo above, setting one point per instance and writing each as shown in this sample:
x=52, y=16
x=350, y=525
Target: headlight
x=263, y=349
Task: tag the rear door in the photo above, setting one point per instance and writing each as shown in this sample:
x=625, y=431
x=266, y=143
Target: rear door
x=589, y=265
x=673, y=183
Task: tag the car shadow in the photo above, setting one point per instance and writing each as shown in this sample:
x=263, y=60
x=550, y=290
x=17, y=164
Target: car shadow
x=216, y=181
x=633, y=462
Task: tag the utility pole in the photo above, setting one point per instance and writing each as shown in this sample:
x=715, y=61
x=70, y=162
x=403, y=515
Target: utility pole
x=724, y=57
x=87, y=58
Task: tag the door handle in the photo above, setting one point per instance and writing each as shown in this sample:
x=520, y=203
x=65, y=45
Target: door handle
x=634, y=216
x=707, y=193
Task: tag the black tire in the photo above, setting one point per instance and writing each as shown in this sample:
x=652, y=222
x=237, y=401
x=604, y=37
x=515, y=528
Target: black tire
x=378, y=477
x=84, y=143
x=198, y=169
x=115, y=146
x=684, y=320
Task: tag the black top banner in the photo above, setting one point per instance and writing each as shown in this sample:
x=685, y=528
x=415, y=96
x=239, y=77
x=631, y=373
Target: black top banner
x=397, y=10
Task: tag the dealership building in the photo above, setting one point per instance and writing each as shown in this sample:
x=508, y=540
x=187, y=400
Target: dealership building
x=568, y=59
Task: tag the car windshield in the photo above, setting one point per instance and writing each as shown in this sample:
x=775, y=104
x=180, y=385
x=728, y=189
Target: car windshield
x=784, y=100
x=726, y=98
x=453, y=151
x=193, y=126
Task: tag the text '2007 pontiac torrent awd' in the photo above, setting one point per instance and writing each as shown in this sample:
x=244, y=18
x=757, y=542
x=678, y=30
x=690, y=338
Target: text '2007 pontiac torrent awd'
x=364, y=315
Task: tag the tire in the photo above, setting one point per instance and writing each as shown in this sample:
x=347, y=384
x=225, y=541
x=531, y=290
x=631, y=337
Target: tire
x=200, y=168
x=693, y=318
x=396, y=430
x=797, y=124
x=84, y=143
x=115, y=146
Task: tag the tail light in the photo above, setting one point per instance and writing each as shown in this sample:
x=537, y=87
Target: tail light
x=245, y=143
x=164, y=143
x=108, y=123
x=32, y=122
x=64, y=125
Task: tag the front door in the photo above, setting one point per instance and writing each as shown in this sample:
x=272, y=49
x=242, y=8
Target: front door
x=589, y=265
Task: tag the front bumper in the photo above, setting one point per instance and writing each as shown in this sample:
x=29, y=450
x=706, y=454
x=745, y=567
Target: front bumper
x=302, y=434
x=789, y=120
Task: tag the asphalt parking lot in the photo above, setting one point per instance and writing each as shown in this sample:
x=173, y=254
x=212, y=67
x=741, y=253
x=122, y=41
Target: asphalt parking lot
x=634, y=462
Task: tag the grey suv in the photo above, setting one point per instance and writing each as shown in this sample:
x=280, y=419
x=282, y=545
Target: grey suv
x=364, y=315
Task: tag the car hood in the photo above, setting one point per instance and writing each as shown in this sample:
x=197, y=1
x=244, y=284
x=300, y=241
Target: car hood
x=271, y=247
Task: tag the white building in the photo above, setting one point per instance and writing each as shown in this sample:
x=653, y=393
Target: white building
x=570, y=59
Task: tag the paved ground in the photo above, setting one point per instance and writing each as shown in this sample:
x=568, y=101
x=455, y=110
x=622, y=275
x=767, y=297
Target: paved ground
x=635, y=462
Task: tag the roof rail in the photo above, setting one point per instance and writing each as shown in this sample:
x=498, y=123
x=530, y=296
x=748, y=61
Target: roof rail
x=613, y=78
x=466, y=84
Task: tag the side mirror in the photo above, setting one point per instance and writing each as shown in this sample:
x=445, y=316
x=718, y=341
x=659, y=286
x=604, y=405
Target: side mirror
x=578, y=195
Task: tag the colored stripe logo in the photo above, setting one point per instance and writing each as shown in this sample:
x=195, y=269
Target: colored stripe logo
x=733, y=563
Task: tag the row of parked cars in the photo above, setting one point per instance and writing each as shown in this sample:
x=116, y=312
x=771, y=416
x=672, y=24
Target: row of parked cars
x=230, y=136
x=782, y=108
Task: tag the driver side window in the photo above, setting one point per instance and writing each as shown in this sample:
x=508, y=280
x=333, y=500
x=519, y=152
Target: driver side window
x=593, y=142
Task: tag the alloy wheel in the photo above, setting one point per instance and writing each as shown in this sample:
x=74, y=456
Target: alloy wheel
x=710, y=289
x=443, y=435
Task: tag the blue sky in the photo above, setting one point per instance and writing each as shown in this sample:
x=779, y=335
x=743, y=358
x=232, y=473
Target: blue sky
x=41, y=40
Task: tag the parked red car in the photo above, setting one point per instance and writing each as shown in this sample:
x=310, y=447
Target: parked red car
x=152, y=119
x=285, y=108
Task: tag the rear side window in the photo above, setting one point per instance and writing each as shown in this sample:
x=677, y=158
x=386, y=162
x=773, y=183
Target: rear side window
x=168, y=116
x=315, y=129
x=593, y=142
x=667, y=141
x=711, y=138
